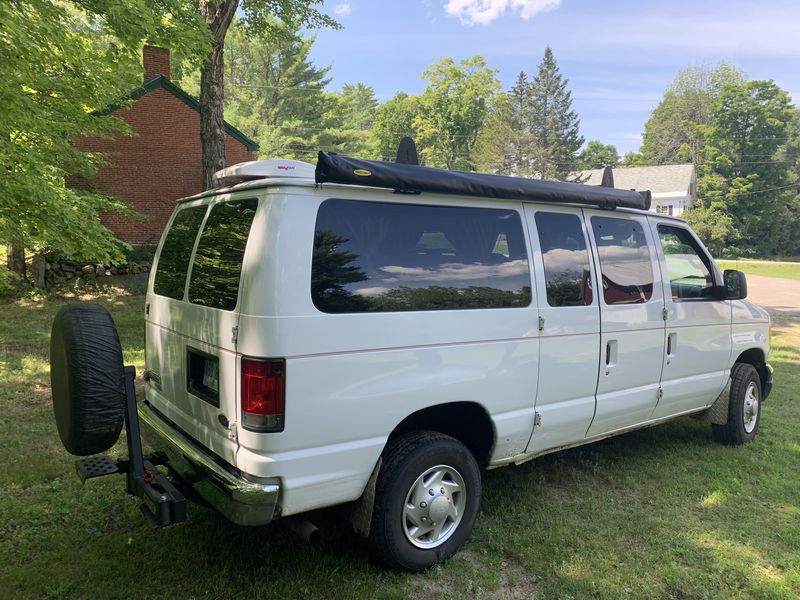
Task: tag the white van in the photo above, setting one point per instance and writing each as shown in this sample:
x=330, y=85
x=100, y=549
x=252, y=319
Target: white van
x=311, y=344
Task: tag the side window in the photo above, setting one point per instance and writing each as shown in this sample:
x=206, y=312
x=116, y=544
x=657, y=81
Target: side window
x=220, y=252
x=689, y=273
x=176, y=252
x=566, y=259
x=624, y=260
x=382, y=257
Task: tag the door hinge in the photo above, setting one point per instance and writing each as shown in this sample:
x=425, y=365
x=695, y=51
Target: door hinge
x=235, y=335
x=537, y=419
x=660, y=393
x=664, y=313
x=232, y=430
x=147, y=309
x=541, y=323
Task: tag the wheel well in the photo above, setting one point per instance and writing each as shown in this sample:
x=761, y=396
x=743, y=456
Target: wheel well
x=468, y=422
x=755, y=357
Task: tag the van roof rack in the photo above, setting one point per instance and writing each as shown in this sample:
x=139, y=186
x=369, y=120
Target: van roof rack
x=413, y=179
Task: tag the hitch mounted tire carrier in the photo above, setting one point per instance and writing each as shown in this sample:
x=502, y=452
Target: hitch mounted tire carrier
x=162, y=503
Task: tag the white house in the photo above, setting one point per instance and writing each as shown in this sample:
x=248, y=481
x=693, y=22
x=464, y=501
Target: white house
x=674, y=187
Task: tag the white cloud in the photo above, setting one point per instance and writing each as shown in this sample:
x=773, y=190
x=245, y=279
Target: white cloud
x=484, y=12
x=342, y=9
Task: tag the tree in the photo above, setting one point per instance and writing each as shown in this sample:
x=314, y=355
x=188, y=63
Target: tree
x=348, y=121
x=740, y=174
x=60, y=63
x=258, y=16
x=452, y=110
x=670, y=134
x=275, y=94
x=394, y=120
x=554, y=125
x=597, y=155
x=496, y=148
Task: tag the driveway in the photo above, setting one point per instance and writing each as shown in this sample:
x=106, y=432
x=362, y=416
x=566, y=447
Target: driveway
x=781, y=297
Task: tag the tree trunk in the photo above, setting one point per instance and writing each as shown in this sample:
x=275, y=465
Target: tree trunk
x=15, y=258
x=218, y=14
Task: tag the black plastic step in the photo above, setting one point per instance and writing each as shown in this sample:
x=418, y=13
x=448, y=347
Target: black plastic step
x=96, y=466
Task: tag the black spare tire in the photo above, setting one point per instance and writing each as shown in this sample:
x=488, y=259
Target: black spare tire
x=87, y=378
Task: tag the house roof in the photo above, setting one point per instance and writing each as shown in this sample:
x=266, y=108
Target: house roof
x=658, y=179
x=161, y=82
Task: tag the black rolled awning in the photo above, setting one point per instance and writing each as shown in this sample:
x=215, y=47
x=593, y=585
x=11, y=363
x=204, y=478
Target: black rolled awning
x=413, y=179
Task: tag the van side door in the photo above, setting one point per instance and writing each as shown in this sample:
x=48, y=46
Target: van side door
x=570, y=325
x=698, y=349
x=631, y=319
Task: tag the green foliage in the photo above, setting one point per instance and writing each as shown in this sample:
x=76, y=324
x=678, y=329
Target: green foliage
x=597, y=155
x=497, y=147
x=670, y=134
x=452, y=110
x=274, y=93
x=739, y=174
x=59, y=61
x=394, y=120
x=348, y=121
x=717, y=230
x=553, y=123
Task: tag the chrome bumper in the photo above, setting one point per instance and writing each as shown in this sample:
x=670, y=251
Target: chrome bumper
x=242, y=501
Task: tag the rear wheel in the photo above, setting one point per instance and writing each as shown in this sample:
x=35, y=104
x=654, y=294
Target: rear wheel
x=744, y=407
x=426, y=500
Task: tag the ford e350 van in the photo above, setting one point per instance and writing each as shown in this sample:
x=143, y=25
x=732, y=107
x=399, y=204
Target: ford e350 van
x=377, y=333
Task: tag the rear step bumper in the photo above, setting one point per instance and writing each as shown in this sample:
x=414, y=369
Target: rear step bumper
x=242, y=501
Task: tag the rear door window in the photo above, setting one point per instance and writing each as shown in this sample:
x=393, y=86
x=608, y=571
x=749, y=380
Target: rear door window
x=176, y=252
x=381, y=257
x=565, y=258
x=218, y=260
x=624, y=260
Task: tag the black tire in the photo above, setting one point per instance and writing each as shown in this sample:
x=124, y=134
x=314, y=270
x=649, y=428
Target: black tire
x=744, y=381
x=405, y=460
x=87, y=379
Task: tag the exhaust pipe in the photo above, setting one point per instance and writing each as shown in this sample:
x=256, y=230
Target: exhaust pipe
x=306, y=530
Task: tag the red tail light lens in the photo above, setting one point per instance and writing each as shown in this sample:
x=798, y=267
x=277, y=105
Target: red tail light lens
x=262, y=394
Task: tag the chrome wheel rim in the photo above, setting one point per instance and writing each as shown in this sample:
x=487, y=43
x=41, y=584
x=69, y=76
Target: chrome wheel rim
x=434, y=507
x=750, y=412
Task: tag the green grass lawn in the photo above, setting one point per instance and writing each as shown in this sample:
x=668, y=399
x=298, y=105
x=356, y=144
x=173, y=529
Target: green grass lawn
x=661, y=513
x=766, y=268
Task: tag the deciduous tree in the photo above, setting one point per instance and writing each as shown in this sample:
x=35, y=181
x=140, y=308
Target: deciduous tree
x=452, y=110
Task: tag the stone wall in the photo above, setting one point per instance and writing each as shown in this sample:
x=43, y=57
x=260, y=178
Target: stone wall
x=50, y=271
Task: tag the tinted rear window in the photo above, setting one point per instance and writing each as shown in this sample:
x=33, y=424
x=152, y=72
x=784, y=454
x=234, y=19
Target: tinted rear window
x=176, y=252
x=220, y=252
x=379, y=257
x=566, y=259
x=624, y=260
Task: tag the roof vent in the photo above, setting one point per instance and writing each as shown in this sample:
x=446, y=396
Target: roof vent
x=262, y=169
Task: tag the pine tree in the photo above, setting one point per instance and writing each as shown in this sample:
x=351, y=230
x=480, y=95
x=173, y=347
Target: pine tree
x=553, y=123
x=274, y=93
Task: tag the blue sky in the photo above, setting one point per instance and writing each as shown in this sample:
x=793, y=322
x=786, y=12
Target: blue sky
x=619, y=56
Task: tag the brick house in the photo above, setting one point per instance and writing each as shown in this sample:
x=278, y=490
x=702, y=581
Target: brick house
x=163, y=162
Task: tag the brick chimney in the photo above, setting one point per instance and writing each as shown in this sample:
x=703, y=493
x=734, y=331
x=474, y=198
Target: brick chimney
x=156, y=62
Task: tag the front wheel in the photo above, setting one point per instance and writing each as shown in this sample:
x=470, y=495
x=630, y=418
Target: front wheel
x=744, y=407
x=426, y=500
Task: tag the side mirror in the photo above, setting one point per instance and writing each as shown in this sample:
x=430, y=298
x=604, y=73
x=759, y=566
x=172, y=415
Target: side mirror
x=735, y=287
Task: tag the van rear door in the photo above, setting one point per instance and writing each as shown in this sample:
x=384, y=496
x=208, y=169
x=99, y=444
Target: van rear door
x=192, y=320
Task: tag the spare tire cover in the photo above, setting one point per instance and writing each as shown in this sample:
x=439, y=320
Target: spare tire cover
x=87, y=378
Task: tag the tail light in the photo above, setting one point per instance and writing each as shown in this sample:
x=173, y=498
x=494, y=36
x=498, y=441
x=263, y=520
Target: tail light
x=262, y=394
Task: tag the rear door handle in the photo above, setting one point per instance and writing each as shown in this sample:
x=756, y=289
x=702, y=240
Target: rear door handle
x=672, y=345
x=611, y=355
